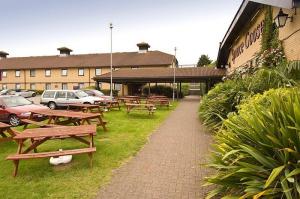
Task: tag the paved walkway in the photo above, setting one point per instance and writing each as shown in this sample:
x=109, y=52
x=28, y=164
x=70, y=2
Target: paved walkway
x=169, y=165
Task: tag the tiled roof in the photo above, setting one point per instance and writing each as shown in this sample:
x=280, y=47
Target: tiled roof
x=163, y=74
x=125, y=59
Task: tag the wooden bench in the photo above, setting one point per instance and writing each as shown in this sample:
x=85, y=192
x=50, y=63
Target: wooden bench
x=26, y=122
x=50, y=154
x=15, y=158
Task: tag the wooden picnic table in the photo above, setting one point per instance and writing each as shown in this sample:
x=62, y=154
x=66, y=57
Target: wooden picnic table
x=41, y=135
x=65, y=117
x=6, y=132
x=159, y=101
x=112, y=104
x=130, y=99
x=147, y=107
x=92, y=108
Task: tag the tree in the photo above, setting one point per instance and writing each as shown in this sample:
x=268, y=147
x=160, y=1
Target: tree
x=204, y=60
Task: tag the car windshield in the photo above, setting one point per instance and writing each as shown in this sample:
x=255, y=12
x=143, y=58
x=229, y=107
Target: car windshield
x=16, y=101
x=81, y=94
x=98, y=93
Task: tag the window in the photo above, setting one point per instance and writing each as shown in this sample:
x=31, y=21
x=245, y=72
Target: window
x=4, y=86
x=18, y=73
x=18, y=86
x=98, y=71
x=80, y=72
x=47, y=72
x=4, y=73
x=81, y=85
x=32, y=73
x=47, y=86
x=118, y=87
x=32, y=86
x=61, y=94
x=135, y=67
x=71, y=95
x=64, y=86
x=64, y=72
x=49, y=94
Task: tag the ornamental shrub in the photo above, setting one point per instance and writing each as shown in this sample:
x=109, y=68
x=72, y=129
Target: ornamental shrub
x=256, y=153
x=220, y=101
x=224, y=97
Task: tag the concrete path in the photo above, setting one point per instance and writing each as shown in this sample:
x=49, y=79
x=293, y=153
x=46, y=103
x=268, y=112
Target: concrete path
x=169, y=165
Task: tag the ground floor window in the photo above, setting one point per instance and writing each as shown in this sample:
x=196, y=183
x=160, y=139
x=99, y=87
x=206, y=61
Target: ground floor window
x=32, y=86
x=48, y=86
x=118, y=87
x=64, y=86
x=81, y=85
x=18, y=86
x=4, y=86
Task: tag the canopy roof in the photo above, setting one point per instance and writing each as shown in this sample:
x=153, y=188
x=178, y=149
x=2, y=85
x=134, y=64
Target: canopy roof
x=164, y=75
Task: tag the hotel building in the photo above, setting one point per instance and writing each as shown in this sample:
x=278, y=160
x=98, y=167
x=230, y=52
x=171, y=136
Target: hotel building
x=69, y=71
x=242, y=42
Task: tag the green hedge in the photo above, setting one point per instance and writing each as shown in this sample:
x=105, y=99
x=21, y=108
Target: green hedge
x=225, y=96
x=256, y=153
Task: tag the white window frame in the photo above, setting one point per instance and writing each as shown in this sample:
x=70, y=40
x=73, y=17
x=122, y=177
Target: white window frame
x=64, y=86
x=17, y=86
x=18, y=73
x=4, y=73
x=46, y=74
x=98, y=73
x=79, y=71
x=48, y=86
x=62, y=72
x=32, y=86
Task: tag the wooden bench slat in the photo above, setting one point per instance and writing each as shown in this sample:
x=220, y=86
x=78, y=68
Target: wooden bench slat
x=50, y=154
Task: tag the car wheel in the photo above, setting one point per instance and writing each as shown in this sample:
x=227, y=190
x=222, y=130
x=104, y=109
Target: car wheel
x=33, y=94
x=14, y=120
x=52, y=105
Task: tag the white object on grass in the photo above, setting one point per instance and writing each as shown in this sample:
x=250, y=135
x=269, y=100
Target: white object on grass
x=61, y=159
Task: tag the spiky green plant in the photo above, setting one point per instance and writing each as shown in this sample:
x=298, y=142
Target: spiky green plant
x=257, y=152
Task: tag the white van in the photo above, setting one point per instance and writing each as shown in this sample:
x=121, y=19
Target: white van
x=61, y=98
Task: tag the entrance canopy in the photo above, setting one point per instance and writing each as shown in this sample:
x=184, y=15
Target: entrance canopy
x=163, y=75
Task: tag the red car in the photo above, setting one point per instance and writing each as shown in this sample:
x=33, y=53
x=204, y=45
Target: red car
x=14, y=108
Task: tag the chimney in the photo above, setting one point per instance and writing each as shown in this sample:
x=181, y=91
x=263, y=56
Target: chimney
x=3, y=55
x=64, y=51
x=143, y=47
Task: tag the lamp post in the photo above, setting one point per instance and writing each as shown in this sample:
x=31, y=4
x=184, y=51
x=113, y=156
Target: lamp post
x=174, y=75
x=111, y=60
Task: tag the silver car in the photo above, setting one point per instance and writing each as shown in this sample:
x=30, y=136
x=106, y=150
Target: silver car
x=61, y=98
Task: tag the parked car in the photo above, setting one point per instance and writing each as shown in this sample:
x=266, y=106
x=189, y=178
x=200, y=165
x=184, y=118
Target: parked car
x=14, y=108
x=7, y=92
x=23, y=93
x=61, y=98
x=97, y=93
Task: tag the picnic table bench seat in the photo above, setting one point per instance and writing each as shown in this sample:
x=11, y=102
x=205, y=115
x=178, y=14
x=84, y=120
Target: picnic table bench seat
x=26, y=122
x=50, y=154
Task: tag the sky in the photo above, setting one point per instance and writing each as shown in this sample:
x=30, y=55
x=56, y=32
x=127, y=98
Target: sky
x=39, y=27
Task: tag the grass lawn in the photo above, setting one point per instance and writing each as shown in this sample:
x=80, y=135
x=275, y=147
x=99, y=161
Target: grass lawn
x=38, y=179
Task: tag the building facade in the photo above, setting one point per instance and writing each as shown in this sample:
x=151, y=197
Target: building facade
x=67, y=71
x=242, y=42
